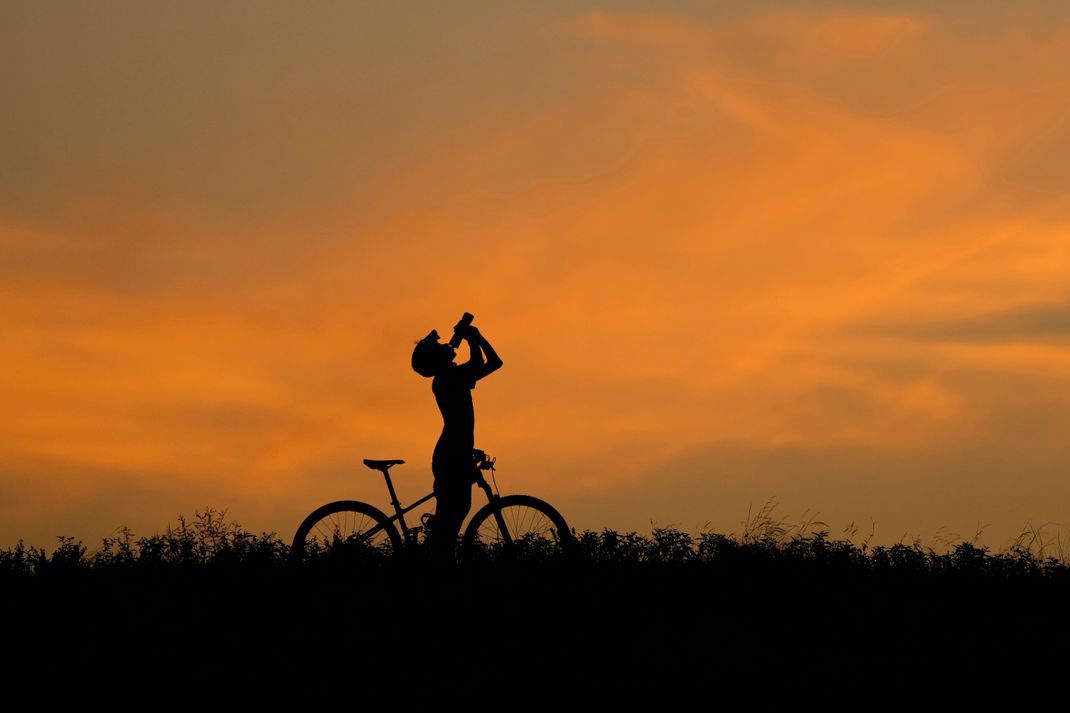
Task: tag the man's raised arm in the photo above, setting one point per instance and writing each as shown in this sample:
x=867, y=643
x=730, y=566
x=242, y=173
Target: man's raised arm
x=479, y=343
x=475, y=355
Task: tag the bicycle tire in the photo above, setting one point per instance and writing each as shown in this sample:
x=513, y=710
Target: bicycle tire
x=342, y=520
x=523, y=516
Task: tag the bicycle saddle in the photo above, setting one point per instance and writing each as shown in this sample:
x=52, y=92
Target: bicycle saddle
x=383, y=465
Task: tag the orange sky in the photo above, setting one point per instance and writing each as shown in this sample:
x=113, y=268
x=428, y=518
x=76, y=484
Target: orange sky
x=813, y=251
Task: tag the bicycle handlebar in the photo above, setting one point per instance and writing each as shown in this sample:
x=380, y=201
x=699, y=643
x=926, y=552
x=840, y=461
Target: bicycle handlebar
x=483, y=461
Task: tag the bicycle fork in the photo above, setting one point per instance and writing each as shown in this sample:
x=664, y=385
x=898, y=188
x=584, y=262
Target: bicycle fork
x=493, y=497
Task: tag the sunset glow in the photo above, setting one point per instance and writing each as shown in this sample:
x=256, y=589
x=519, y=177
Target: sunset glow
x=818, y=252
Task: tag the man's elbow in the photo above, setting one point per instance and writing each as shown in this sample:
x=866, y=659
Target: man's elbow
x=494, y=364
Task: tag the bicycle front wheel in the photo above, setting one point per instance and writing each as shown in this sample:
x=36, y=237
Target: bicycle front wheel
x=514, y=524
x=345, y=526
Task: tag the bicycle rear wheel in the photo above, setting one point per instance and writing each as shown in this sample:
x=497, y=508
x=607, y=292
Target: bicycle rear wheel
x=346, y=527
x=514, y=525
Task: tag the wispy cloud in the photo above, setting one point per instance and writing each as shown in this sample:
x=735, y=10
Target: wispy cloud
x=1033, y=323
x=680, y=227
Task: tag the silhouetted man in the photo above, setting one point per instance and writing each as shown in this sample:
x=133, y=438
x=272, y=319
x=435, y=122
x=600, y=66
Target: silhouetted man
x=452, y=464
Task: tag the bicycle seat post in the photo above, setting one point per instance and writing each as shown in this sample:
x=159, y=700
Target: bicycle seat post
x=383, y=466
x=393, y=495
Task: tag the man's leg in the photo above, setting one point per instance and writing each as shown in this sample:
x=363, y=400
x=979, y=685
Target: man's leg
x=453, y=499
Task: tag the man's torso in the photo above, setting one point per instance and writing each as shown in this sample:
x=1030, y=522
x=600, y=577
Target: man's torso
x=453, y=393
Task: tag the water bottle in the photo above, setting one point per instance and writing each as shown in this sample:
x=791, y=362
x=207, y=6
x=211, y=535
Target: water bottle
x=458, y=330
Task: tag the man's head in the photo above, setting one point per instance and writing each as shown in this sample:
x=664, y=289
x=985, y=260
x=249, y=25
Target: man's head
x=429, y=357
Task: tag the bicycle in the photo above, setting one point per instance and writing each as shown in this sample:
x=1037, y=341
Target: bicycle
x=503, y=523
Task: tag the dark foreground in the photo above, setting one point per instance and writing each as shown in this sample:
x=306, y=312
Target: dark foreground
x=621, y=614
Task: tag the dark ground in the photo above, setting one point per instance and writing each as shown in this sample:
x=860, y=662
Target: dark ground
x=622, y=615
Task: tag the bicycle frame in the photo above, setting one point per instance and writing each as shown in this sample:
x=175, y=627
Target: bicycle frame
x=529, y=516
x=399, y=511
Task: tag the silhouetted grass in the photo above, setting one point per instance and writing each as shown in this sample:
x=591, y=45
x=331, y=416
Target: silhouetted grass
x=207, y=600
x=210, y=543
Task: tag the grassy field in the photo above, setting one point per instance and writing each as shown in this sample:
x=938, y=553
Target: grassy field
x=208, y=602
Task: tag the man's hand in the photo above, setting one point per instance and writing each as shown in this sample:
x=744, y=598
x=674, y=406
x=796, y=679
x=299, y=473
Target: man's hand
x=481, y=349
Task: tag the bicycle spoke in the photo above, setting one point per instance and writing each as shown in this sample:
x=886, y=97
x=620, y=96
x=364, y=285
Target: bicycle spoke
x=348, y=528
x=514, y=528
x=523, y=523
